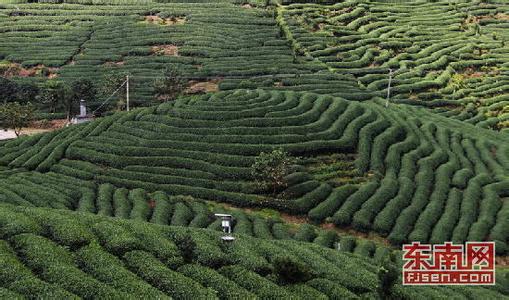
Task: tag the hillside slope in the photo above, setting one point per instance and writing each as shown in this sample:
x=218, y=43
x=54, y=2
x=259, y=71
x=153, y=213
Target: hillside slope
x=64, y=255
x=404, y=173
x=396, y=113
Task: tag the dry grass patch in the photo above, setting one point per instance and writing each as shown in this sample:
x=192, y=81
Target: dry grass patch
x=197, y=87
x=166, y=50
x=165, y=21
x=10, y=70
x=114, y=63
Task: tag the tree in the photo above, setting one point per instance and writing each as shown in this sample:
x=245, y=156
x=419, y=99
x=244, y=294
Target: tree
x=270, y=169
x=388, y=275
x=111, y=83
x=16, y=116
x=53, y=95
x=80, y=89
x=187, y=247
x=8, y=90
x=170, y=85
x=290, y=271
x=26, y=92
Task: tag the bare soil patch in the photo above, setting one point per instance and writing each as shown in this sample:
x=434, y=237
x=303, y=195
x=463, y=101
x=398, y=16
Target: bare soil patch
x=35, y=128
x=478, y=73
x=17, y=70
x=165, y=21
x=502, y=261
x=477, y=19
x=196, y=87
x=247, y=5
x=294, y=219
x=48, y=124
x=167, y=50
x=114, y=63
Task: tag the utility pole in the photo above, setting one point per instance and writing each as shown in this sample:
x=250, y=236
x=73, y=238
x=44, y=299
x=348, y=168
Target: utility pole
x=127, y=94
x=388, y=88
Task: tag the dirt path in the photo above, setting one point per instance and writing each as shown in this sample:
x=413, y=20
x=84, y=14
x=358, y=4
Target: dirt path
x=35, y=128
x=7, y=134
x=501, y=261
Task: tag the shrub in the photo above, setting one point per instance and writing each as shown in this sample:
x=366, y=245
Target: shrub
x=105, y=200
x=388, y=275
x=57, y=266
x=290, y=271
x=108, y=269
x=331, y=289
x=116, y=238
x=162, y=208
x=254, y=283
x=170, y=282
x=226, y=288
x=270, y=169
x=330, y=205
x=326, y=238
x=121, y=203
x=187, y=247
x=182, y=215
x=306, y=233
x=140, y=208
x=12, y=223
x=345, y=213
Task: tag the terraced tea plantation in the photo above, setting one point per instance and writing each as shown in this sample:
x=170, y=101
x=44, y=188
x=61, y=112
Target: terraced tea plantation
x=422, y=177
x=215, y=44
x=123, y=207
x=452, y=56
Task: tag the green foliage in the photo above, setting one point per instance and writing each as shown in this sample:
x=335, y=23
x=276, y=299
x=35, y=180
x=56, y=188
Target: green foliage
x=170, y=282
x=226, y=289
x=290, y=271
x=270, y=169
x=16, y=116
x=111, y=86
x=170, y=85
x=53, y=95
x=388, y=275
x=8, y=90
x=187, y=247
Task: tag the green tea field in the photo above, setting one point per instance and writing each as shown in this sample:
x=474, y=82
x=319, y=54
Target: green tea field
x=394, y=116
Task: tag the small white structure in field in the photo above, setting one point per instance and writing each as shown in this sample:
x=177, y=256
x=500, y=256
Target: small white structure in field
x=226, y=224
x=6, y=134
x=83, y=116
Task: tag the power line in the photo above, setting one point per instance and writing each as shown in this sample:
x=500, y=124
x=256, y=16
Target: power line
x=107, y=99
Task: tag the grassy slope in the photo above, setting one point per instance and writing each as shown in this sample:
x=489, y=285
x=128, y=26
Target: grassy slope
x=61, y=254
x=436, y=177
x=203, y=147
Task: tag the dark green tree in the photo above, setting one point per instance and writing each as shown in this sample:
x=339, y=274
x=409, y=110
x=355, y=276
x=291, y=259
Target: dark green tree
x=170, y=85
x=388, y=275
x=187, y=246
x=290, y=271
x=16, y=116
x=53, y=95
x=27, y=92
x=8, y=90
